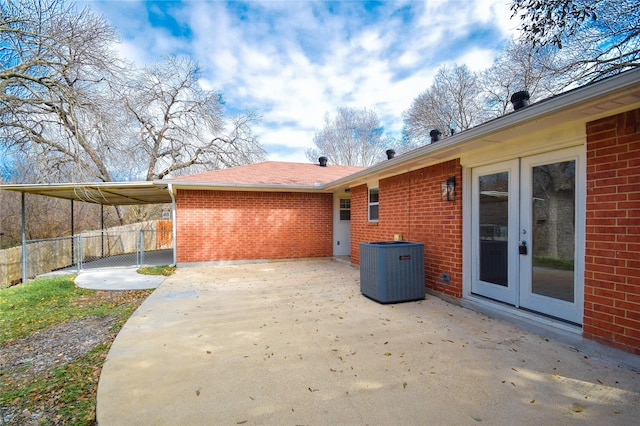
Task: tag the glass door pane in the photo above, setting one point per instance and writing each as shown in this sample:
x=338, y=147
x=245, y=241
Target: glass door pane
x=552, y=227
x=493, y=212
x=495, y=204
x=553, y=230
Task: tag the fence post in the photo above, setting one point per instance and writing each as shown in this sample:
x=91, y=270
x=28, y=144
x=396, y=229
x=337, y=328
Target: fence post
x=141, y=248
x=79, y=251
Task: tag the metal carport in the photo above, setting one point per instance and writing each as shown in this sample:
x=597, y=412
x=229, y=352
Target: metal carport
x=103, y=193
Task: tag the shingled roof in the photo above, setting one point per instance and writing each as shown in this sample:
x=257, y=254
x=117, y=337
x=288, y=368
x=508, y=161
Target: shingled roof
x=273, y=173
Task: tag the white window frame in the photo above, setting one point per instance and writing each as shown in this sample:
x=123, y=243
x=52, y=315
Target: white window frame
x=345, y=207
x=373, y=203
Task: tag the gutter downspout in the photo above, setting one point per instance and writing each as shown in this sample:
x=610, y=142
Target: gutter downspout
x=174, y=231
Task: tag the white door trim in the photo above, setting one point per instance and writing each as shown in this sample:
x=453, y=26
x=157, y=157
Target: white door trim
x=341, y=228
x=569, y=311
x=508, y=293
x=574, y=311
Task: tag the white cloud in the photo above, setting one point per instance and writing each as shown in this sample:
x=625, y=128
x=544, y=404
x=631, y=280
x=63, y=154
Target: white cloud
x=499, y=14
x=477, y=59
x=294, y=61
x=141, y=43
x=409, y=59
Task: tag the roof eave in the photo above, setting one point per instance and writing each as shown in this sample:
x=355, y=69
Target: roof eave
x=230, y=186
x=452, y=145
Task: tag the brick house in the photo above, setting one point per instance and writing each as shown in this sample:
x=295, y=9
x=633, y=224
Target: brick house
x=541, y=217
x=269, y=210
x=535, y=214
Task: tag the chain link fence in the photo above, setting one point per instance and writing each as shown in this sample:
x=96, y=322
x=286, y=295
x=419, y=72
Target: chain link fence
x=103, y=249
x=90, y=249
x=49, y=254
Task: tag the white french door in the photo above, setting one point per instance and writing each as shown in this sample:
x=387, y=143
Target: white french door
x=495, y=238
x=528, y=239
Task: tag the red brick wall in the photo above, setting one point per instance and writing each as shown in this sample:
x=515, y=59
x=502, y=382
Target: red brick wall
x=410, y=204
x=612, y=258
x=238, y=225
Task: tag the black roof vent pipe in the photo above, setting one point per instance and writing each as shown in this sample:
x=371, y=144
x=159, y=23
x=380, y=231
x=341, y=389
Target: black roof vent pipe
x=390, y=154
x=520, y=99
x=323, y=161
x=436, y=135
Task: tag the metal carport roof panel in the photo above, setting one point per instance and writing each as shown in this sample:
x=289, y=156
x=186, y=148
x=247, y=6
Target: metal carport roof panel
x=111, y=193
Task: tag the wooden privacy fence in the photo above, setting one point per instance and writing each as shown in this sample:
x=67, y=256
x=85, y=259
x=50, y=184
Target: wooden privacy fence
x=10, y=266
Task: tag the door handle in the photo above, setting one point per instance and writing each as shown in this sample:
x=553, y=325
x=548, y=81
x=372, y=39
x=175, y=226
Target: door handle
x=522, y=247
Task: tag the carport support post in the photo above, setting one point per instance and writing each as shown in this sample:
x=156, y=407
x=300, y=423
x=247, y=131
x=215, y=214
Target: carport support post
x=79, y=252
x=102, y=229
x=73, y=252
x=24, y=242
x=174, y=231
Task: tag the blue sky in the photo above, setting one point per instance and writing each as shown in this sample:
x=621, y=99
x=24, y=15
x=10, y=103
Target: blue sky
x=294, y=61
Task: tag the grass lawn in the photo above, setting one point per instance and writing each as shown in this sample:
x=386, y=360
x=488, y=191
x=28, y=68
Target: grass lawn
x=54, y=338
x=157, y=270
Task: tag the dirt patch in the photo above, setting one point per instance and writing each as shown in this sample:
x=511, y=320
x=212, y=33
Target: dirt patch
x=46, y=349
x=55, y=345
x=25, y=361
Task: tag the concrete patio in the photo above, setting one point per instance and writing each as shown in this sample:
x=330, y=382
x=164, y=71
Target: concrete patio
x=296, y=343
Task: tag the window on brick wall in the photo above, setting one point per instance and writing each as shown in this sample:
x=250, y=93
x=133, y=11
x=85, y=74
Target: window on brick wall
x=373, y=204
x=345, y=209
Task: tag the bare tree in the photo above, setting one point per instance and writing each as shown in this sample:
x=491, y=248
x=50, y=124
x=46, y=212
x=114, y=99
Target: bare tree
x=452, y=103
x=45, y=217
x=520, y=66
x=353, y=137
x=71, y=106
x=56, y=64
x=598, y=37
x=180, y=127
x=63, y=105
x=421, y=118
